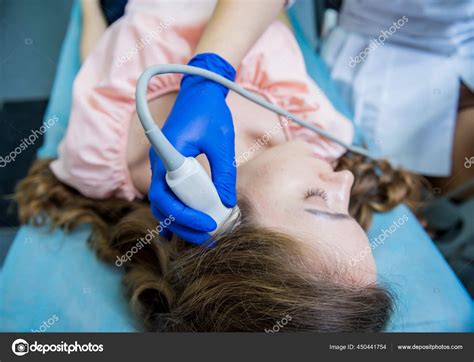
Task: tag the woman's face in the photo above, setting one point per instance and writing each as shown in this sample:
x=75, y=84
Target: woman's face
x=294, y=191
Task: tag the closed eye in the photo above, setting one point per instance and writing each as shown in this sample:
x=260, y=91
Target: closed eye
x=316, y=192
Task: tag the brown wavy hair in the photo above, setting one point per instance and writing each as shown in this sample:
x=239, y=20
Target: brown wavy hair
x=252, y=279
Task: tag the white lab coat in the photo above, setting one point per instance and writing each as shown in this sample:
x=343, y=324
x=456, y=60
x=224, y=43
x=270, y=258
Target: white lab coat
x=404, y=91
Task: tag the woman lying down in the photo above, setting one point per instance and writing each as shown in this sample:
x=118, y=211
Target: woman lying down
x=305, y=203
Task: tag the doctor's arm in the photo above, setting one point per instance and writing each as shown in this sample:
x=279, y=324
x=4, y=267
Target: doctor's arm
x=201, y=110
x=236, y=25
x=94, y=25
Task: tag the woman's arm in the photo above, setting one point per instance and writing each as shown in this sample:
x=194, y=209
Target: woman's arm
x=93, y=25
x=236, y=25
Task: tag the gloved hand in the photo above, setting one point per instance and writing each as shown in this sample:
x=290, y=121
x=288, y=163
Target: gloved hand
x=199, y=122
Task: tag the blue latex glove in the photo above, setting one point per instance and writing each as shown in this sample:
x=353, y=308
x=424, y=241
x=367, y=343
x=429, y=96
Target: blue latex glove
x=199, y=122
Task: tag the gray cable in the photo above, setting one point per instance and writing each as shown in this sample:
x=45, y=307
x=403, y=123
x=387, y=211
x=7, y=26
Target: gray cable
x=172, y=159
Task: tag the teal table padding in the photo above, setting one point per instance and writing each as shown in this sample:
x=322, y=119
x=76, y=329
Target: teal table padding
x=429, y=296
x=58, y=276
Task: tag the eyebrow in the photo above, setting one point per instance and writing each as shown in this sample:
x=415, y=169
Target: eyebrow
x=329, y=215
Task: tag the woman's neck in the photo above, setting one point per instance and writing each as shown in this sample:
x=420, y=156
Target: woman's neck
x=256, y=129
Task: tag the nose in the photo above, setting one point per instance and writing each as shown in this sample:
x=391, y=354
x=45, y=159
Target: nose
x=338, y=186
x=343, y=179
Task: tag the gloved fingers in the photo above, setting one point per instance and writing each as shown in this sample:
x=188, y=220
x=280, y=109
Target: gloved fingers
x=167, y=203
x=224, y=171
x=163, y=199
x=188, y=234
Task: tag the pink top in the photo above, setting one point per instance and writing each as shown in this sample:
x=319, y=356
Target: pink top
x=92, y=155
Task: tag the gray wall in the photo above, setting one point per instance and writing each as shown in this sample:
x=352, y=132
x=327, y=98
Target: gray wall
x=31, y=33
